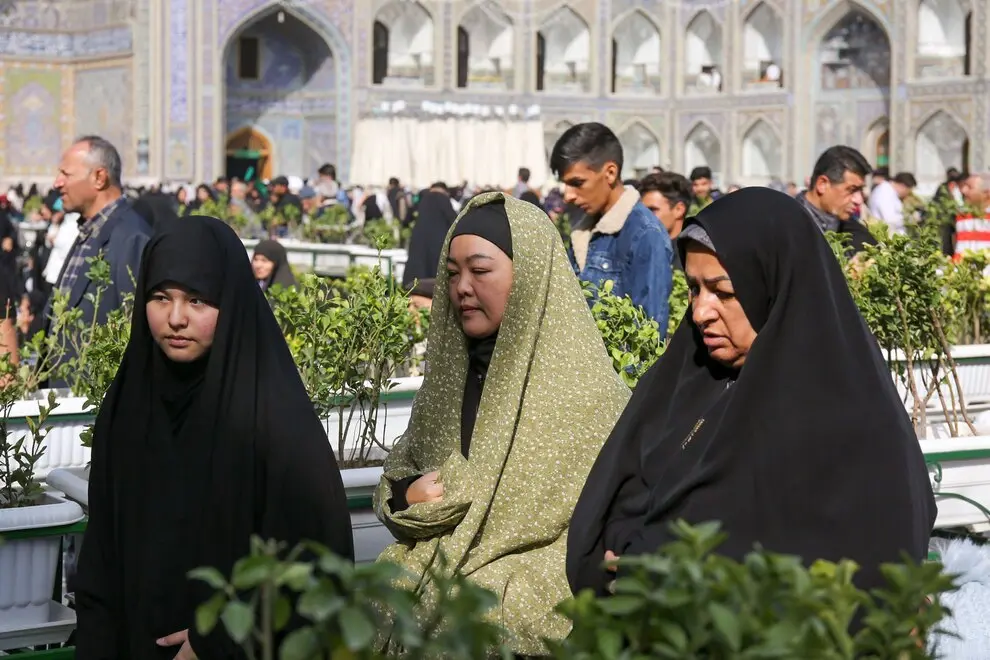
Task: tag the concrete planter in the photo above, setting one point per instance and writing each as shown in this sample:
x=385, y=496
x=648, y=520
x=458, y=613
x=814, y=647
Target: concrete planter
x=28, y=564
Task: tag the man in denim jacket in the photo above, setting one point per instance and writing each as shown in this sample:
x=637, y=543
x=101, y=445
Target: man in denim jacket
x=618, y=238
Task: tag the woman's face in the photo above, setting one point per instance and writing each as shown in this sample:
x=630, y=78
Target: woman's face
x=262, y=267
x=715, y=309
x=480, y=278
x=24, y=315
x=202, y=194
x=182, y=322
x=181, y=195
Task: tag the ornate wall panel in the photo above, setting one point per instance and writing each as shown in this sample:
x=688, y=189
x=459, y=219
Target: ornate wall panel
x=103, y=105
x=36, y=121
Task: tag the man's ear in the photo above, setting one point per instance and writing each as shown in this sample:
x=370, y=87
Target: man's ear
x=100, y=179
x=611, y=171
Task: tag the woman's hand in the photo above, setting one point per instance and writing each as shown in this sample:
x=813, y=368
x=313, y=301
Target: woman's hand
x=425, y=489
x=611, y=557
x=181, y=637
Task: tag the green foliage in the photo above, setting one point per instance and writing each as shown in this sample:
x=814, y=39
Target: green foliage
x=20, y=452
x=328, y=225
x=340, y=609
x=631, y=338
x=32, y=205
x=678, y=302
x=382, y=233
x=900, y=288
x=968, y=287
x=20, y=455
x=347, y=341
x=688, y=602
x=98, y=347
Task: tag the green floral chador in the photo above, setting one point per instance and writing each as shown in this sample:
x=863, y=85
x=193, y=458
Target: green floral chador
x=550, y=400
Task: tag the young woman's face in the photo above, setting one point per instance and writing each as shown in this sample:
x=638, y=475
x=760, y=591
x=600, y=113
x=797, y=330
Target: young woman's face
x=715, y=309
x=262, y=267
x=480, y=278
x=181, y=195
x=202, y=194
x=182, y=323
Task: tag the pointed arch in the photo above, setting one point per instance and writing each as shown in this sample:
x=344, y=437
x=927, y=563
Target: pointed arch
x=292, y=51
x=636, y=53
x=409, y=46
x=703, y=56
x=943, y=42
x=855, y=53
x=703, y=148
x=762, y=152
x=763, y=45
x=876, y=142
x=486, y=35
x=941, y=142
x=641, y=148
x=564, y=52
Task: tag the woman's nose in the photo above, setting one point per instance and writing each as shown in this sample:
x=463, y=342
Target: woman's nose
x=177, y=316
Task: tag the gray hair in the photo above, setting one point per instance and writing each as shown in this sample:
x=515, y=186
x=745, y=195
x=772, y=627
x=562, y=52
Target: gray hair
x=104, y=155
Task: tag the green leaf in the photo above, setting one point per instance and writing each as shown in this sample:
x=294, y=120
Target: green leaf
x=251, y=572
x=210, y=576
x=208, y=613
x=357, y=628
x=727, y=624
x=300, y=644
x=283, y=612
x=238, y=619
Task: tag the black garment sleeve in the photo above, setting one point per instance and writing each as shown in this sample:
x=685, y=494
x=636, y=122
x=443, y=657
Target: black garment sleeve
x=97, y=591
x=399, y=488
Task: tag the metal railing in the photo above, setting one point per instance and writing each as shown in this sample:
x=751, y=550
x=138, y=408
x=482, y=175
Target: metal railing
x=334, y=260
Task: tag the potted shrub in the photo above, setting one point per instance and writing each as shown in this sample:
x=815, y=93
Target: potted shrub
x=29, y=551
x=913, y=300
x=98, y=349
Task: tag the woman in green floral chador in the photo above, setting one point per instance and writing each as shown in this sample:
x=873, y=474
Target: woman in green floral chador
x=518, y=398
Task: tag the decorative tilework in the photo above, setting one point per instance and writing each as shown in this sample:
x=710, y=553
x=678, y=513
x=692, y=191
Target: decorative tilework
x=103, y=107
x=179, y=61
x=179, y=154
x=112, y=41
x=34, y=141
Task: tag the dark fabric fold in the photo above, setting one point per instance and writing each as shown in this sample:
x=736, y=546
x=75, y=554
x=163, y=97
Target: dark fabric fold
x=434, y=216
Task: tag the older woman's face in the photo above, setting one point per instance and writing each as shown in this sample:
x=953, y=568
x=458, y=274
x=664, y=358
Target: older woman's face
x=480, y=278
x=715, y=309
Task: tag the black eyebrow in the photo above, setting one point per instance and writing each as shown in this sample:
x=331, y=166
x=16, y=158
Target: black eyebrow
x=710, y=280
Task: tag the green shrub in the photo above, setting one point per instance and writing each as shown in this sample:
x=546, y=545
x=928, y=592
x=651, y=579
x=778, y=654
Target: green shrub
x=686, y=601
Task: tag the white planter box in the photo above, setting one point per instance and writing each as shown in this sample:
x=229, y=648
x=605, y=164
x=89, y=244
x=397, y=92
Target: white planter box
x=27, y=566
x=63, y=446
x=960, y=467
x=73, y=482
x=973, y=366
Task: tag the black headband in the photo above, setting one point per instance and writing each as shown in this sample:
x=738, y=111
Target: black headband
x=490, y=222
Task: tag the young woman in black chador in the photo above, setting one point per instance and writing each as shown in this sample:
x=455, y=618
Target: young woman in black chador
x=772, y=411
x=205, y=438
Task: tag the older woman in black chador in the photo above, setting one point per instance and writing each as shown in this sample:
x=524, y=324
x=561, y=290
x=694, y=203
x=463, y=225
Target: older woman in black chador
x=772, y=411
x=205, y=438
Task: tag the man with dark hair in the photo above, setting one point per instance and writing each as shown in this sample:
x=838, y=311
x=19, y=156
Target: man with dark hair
x=887, y=200
x=618, y=239
x=835, y=193
x=704, y=194
x=522, y=184
x=668, y=196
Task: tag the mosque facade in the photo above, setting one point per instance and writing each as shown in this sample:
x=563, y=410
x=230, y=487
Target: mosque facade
x=753, y=89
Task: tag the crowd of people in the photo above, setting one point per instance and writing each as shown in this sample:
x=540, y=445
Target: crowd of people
x=528, y=465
